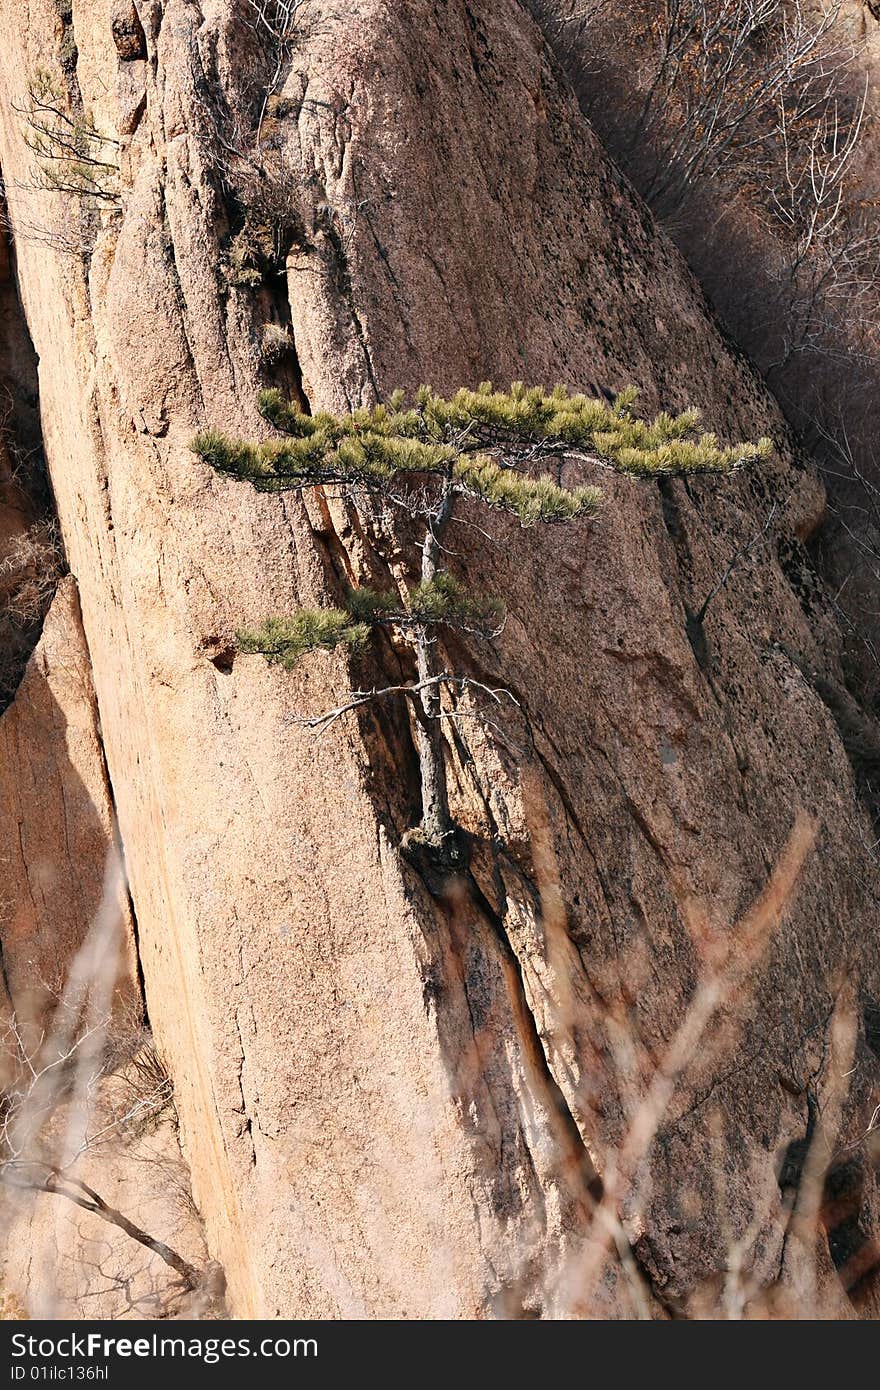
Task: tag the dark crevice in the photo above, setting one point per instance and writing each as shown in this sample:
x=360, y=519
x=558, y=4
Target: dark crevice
x=119, y=849
x=462, y=874
x=844, y=1214
x=693, y=621
x=871, y=1023
x=31, y=555
x=853, y=1252
x=391, y=769
x=4, y=977
x=281, y=361
x=579, y=1159
x=285, y=368
x=224, y=659
x=254, y=257
x=345, y=289
x=139, y=965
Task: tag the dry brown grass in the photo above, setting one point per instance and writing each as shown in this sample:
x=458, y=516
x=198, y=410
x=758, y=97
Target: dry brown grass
x=29, y=573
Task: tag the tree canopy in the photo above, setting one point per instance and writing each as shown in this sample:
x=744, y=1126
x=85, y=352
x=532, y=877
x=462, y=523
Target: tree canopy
x=422, y=455
x=478, y=443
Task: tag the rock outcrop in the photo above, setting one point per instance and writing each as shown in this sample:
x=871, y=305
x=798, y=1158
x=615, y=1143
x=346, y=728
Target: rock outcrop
x=395, y=1104
x=59, y=888
x=56, y=818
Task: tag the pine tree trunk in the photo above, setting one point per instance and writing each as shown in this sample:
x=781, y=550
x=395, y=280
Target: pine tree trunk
x=436, y=820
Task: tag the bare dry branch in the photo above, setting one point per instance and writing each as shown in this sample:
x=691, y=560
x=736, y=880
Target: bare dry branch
x=409, y=691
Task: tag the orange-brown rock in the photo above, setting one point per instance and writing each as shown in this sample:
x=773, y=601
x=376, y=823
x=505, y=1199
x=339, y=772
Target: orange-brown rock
x=394, y=1105
x=59, y=1262
x=56, y=818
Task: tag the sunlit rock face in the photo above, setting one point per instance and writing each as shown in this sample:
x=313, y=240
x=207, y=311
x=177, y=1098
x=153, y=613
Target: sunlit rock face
x=396, y=1103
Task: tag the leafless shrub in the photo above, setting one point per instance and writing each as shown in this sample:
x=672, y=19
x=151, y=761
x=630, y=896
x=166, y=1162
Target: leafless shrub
x=275, y=341
x=277, y=17
x=264, y=182
x=280, y=21
x=67, y=239
x=145, y=1092
x=752, y=95
x=850, y=550
x=246, y=143
x=29, y=572
x=73, y=158
x=267, y=190
x=710, y=1025
x=747, y=125
x=647, y=1085
x=49, y=1116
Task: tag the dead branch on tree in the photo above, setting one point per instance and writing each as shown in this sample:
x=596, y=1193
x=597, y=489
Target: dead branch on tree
x=358, y=698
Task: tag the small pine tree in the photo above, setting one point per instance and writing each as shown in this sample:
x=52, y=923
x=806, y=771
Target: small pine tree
x=423, y=456
x=73, y=156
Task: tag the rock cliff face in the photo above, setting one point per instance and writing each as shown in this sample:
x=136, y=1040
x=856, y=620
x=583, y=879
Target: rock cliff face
x=56, y=817
x=394, y=1104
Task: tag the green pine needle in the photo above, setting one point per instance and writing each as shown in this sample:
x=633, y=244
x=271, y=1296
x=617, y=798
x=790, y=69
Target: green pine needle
x=286, y=640
x=432, y=603
x=482, y=443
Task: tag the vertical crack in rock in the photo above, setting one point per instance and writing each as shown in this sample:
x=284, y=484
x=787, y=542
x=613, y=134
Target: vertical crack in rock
x=31, y=559
x=536, y=1047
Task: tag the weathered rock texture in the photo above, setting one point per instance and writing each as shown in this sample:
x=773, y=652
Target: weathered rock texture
x=393, y=1105
x=56, y=848
x=19, y=447
x=59, y=1262
x=56, y=817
